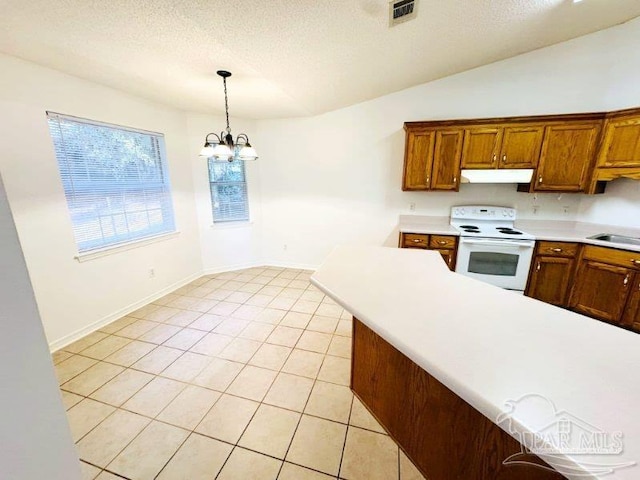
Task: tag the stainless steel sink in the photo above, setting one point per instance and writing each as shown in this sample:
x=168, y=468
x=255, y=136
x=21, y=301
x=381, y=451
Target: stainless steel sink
x=610, y=237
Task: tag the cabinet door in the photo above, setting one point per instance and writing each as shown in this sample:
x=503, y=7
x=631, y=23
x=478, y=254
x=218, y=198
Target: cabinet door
x=449, y=258
x=446, y=160
x=621, y=143
x=418, y=160
x=549, y=280
x=521, y=146
x=567, y=156
x=481, y=147
x=600, y=290
x=631, y=317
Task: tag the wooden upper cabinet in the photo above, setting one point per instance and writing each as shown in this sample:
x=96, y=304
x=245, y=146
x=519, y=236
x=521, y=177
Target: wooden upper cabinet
x=481, y=147
x=621, y=143
x=521, y=146
x=601, y=290
x=567, y=157
x=446, y=160
x=418, y=160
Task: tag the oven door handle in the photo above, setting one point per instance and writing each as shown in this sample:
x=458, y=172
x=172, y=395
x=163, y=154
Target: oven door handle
x=499, y=243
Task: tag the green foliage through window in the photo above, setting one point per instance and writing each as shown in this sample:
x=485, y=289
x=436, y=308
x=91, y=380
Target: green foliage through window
x=115, y=181
x=228, y=191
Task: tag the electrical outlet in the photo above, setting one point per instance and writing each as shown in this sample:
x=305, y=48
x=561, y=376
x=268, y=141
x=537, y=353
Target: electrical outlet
x=412, y=206
x=152, y=273
x=566, y=209
x=535, y=209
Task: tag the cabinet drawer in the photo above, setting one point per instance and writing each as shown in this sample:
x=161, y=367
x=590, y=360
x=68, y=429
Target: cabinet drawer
x=622, y=258
x=415, y=240
x=557, y=249
x=442, y=242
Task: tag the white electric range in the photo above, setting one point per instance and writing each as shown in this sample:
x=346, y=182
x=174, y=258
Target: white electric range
x=490, y=248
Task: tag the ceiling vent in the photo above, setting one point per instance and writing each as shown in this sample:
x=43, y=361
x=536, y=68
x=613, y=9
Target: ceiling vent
x=401, y=11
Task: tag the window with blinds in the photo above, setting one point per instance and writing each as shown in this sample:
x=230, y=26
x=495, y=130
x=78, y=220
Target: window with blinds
x=228, y=191
x=115, y=180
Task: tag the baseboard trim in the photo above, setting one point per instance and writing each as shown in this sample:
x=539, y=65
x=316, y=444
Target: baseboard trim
x=78, y=334
x=300, y=266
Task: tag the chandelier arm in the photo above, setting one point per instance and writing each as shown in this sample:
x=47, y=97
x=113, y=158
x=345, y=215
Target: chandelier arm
x=244, y=137
x=206, y=139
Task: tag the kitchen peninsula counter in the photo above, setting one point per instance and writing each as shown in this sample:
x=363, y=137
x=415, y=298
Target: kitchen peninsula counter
x=490, y=346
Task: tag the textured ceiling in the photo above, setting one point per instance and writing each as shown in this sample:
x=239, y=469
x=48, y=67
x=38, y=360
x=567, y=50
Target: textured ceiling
x=288, y=58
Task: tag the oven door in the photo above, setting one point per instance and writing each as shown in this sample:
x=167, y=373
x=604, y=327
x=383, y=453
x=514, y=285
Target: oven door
x=504, y=263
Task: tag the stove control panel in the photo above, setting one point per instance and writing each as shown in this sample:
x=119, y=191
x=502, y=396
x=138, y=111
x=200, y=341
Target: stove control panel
x=482, y=212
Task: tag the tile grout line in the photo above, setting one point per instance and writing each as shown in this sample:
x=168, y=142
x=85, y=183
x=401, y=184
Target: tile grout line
x=325, y=354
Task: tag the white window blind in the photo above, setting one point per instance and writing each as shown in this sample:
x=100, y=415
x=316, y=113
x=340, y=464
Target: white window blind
x=228, y=191
x=115, y=180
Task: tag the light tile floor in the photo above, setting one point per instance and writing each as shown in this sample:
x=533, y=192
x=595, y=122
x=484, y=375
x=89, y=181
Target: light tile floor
x=240, y=375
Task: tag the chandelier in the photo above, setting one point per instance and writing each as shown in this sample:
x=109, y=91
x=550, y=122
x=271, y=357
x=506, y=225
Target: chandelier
x=224, y=147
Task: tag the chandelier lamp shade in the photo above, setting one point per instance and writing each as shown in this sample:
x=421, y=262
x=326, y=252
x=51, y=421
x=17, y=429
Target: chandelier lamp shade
x=223, y=146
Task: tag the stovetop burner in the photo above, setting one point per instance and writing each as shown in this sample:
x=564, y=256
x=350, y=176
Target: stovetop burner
x=508, y=231
x=487, y=222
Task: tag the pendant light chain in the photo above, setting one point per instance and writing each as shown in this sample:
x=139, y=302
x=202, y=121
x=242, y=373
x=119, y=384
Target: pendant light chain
x=226, y=103
x=224, y=147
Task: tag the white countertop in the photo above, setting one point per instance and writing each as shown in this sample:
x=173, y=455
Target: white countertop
x=553, y=230
x=490, y=345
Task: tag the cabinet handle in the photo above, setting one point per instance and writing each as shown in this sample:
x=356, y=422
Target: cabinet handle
x=428, y=178
x=626, y=280
x=504, y=159
x=416, y=240
x=635, y=261
x=455, y=179
x=495, y=157
x=442, y=242
x=540, y=180
x=538, y=267
x=557, y=250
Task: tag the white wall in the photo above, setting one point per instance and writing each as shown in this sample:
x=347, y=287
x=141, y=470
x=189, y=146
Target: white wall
x=224, y=246
x=73, y=297
x=35, y=437
x=620, y=205
x=335, y=178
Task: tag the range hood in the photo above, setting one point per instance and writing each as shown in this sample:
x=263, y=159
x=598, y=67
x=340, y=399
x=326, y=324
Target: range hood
x=503, y=175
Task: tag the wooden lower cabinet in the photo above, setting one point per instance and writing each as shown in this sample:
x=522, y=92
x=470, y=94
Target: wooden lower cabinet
x=447, y=245
x=444, y=436
x=550, y=280
x=631, y=316
x=551, y=272
x=601, y=290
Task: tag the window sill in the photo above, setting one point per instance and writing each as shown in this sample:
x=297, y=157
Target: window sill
x=227, y=225
x=123, y=247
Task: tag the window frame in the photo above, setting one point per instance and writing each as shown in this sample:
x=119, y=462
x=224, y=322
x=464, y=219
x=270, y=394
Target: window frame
x=116, y=242
x=231, y=221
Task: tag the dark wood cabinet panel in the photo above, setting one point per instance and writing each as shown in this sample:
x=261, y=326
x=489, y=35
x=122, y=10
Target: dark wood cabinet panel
x=621, y=143
x=550, y=279
x=631, y=316
x=481, y=147
x=521, y=146
x=418, y=160
x=446, y=160
x=601, y=290
x=445, y=437
x=557, y=249
x=567, y=157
